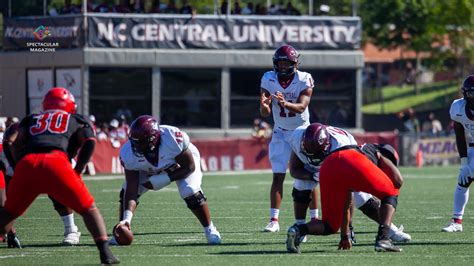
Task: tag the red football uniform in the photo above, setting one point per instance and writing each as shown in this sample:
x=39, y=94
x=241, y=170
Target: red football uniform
x=2, y=169
x=349, y=170
x=44, y=166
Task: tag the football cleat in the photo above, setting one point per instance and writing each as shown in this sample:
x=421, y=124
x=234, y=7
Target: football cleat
x=108, y=258
x=304, y=239
x=71, y=236
x=452, y=227
x=386, y=245
x=272, y=227
x=13, y=241
x=293, y=240
x=213, y=236
x=397, y=234
x=352, y=235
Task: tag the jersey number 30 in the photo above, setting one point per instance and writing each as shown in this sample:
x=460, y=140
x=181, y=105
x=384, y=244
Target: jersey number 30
x=55, y=123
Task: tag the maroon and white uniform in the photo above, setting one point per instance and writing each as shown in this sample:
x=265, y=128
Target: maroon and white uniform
x=285, y=121
x=173, y=142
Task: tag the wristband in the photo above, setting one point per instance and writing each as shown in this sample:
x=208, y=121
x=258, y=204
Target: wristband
x=127, y=216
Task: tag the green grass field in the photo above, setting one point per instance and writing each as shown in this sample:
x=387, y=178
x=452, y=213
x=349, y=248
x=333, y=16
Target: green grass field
x=166, y=233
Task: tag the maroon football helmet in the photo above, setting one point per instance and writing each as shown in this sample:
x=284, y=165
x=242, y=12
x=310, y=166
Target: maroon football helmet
x=289, y=54
x=59, y=99
x=144, y=134
x=468, y=91
x=315, y=143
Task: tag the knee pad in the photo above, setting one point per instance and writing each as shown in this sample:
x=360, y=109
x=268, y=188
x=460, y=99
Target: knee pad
x=370, y=208
x=195, y=201
x=301, y=196
x=392, y=200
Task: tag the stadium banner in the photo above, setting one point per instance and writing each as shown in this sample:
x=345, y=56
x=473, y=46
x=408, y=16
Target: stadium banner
x=43, y=34
x=211, y=32
x=438, y=150
x=229, y=154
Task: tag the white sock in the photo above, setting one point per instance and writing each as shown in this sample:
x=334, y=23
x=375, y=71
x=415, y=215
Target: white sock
x=461, y=196
x=300, y=221
x=68, y=220
x=210, y=227
x=314, y=213
x=274, y=213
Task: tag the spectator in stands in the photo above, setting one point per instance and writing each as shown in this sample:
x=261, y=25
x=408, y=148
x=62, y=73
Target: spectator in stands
x=103, y=132
x=410, y=121
x=138, y=6
x=157, y=7
x=291, y=10
x=224, y=5
x=261, y=10
x=248, y=9
x=432, y=126
x=90, y=7
x=122, y=7
x=261, y=129
x=123, y=128
x=171, y=8
x=102, y=7
x=124, y=110
x=186, y=8
x=237, y=9
x=92, y=119
x=69, y=8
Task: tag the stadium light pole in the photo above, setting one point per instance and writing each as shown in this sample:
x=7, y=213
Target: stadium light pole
x=354, y=8
x=44, y=7
x=310, y=7
x=9, y=8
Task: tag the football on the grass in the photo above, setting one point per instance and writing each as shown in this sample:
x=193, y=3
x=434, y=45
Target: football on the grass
x=123, y=234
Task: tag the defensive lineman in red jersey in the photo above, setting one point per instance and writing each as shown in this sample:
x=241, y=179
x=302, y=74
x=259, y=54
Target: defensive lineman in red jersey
x=343, y=170
x=40, y=152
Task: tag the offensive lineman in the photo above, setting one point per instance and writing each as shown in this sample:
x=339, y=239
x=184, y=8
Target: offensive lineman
x=462, y=113
x=285, y=92
x=307, y=176
x=153, y=157
x=343, y=169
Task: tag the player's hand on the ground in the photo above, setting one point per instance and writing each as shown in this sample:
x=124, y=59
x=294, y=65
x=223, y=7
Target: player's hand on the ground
x=465, y=174
x=345, y=243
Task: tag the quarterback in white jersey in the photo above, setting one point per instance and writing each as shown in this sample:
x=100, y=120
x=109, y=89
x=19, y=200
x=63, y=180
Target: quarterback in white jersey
x=285, y=92
x=462, y=114
x=306, y=174
x=155, y=156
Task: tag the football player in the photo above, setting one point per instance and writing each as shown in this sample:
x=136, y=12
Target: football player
x=40, y=156
x=71, y=231
x=343, y=169
x=462, y=114
x=5, y=169
x=153, y=157
x=285, y=92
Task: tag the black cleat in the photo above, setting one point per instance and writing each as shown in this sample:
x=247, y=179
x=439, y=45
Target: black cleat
x=352, y=235
x=13, y=241
x=293, y=238
x=386, y=245
x=108, y=259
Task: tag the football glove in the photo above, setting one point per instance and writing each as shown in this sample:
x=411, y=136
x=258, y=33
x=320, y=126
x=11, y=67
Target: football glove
x=464, y=179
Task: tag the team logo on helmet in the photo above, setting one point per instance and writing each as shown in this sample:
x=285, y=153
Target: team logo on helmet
x=285, y=53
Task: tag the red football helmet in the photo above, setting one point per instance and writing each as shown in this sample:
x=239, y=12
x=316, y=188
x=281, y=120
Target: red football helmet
x=59, y=99
x=144, y=134
x=315, y=143
x=289, y=54
x=468, y=91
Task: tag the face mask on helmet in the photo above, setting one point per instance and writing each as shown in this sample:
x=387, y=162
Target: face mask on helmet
x=144, y=135
x=285, y=61
x=315, y=144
